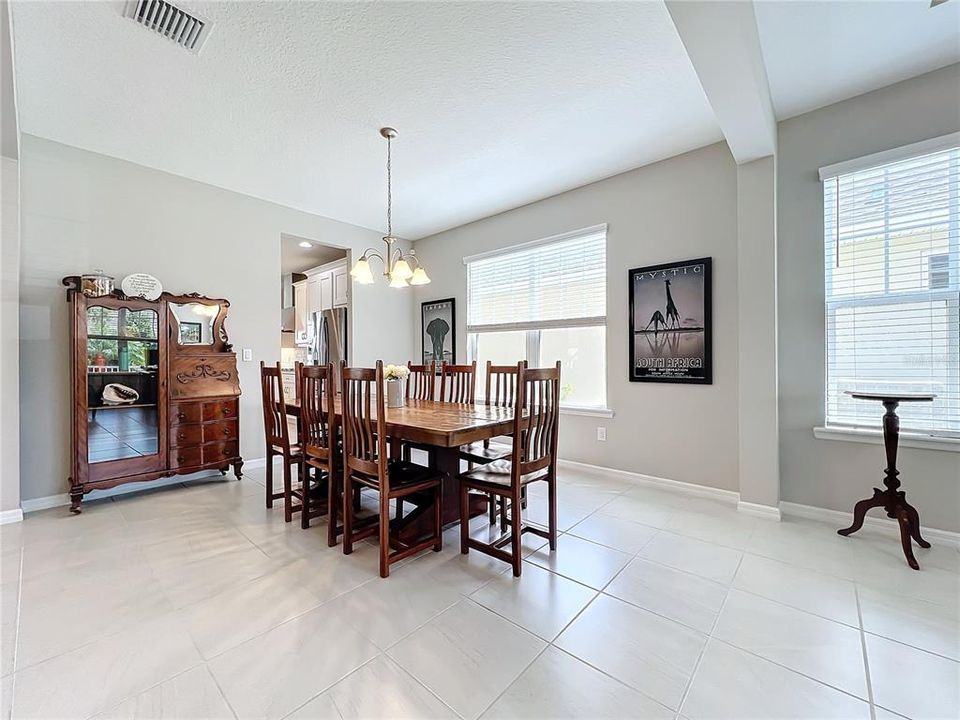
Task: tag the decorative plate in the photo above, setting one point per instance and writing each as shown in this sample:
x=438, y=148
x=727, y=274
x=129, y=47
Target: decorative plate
x=141, y=285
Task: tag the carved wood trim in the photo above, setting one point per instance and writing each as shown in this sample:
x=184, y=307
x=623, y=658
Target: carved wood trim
x=204, y=371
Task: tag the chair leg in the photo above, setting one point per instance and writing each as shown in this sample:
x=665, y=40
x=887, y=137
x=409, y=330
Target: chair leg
x=492, y=507
x=399, y=508
x=437, y=522
x=287, y=491
x=503, y=513
x=384, y=535
x=347, y=515
x=464, y=518
x=269, y=480
x=552, y=513
x=305, y=494
x=333, y=506
x=516, y=526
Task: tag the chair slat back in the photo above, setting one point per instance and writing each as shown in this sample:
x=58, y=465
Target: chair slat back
x=502, y=384
x=420, y=382
x=317, y=417
x=458, y=383
x=297, y=373
x=536, y=420
x=362, y=413
x=275, y=428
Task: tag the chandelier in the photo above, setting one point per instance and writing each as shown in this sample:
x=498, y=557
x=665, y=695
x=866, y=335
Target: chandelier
x=396, y=264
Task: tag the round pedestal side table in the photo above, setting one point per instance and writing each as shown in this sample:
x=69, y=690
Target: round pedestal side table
x=892, y=499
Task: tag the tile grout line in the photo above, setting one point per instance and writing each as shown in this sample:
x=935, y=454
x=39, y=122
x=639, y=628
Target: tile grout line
x=863, y=649
x=703, y=650
x=551, y=643
x=206, y=667
x=16, y=638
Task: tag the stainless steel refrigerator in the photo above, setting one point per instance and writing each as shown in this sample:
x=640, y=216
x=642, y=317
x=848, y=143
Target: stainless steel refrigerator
x=330, y=337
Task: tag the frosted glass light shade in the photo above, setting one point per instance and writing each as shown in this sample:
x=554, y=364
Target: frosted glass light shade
x=397, y=282
x=419, y=277
x=401, y=270
x=361, y=272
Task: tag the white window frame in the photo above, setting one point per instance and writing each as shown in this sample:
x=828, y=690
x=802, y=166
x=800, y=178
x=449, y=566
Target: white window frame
x=533, y=333
x=941, y=438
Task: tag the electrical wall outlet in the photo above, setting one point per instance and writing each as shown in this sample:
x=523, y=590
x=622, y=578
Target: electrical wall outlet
x=247, y=355
x=602, y=434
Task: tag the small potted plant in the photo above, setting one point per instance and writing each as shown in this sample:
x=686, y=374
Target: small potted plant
x=396, y=376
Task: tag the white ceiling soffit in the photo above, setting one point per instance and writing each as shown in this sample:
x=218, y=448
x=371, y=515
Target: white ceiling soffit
x=9, y=135
x=497, y=104
x=721, y=40
x=818, y=53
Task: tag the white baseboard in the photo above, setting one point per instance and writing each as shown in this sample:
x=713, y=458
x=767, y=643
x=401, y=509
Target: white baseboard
x=728, y=496
x=11, y=516
x=255, y=463
x=52, y=501
x=767, y=512
x=885, y=525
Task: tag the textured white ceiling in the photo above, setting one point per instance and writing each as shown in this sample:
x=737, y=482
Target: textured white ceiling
x=818, y=53
x=498, y=104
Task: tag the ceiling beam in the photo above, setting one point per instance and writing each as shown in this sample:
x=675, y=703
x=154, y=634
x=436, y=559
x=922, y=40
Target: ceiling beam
x=723, y=43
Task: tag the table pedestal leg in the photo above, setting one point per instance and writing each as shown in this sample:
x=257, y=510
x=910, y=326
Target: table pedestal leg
x=418, y=523
x=892, y=499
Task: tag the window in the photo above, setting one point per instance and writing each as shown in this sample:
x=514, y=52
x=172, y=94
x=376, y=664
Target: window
x=543, y=302
x=892, y=281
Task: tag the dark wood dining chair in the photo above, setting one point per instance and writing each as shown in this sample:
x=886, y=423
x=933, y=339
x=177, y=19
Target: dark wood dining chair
x=458, y=382
x=421, y=381
x=421, y=385
x=320, y=436
x=277, y=436
x=500, y=391
x=533, y=459
x=367, y=464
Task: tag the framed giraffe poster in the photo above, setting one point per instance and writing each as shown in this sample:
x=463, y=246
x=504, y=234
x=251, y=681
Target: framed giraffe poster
x=671, y=323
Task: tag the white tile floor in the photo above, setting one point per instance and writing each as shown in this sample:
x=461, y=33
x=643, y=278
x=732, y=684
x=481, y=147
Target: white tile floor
x=196, y=602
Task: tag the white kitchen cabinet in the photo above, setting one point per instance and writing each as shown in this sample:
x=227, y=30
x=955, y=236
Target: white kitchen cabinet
x=314, y=295
x=301, y=313
x=326, y=291
x=341, y=284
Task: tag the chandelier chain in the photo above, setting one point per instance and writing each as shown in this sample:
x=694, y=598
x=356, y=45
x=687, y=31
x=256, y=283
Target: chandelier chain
x=389, y=193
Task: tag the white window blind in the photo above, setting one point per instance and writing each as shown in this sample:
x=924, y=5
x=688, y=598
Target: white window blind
x=559, y=282
x=892, y=282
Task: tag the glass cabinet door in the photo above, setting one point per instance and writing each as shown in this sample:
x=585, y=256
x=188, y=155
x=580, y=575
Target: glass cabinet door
x=122, y=383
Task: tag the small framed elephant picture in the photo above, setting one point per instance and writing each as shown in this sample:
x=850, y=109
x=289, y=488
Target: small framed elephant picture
x=438, y=320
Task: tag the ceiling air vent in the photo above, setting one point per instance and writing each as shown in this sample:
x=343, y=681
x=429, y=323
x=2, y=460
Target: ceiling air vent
x=165, y=19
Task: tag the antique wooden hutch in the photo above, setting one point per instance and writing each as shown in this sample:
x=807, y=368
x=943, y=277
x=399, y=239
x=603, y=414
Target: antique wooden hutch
x=154, y=389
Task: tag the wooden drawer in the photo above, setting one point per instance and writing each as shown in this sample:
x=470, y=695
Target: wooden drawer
x=220, y=431
x=200, y=376
x=186, y=457
x=186, y=435
x=223, y=451
x=222, y=410
x=181, y=413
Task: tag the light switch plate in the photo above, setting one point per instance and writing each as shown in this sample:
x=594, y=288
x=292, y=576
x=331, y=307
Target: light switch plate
x=247, y=354
x=602, y=434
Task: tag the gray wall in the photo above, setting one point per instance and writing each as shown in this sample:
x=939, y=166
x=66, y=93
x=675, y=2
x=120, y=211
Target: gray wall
x=680, y=208
x=9, y=337
x=83, y=211
x=825, y=473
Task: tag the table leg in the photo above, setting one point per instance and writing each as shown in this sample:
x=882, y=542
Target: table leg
x=419, y=523
x=892, y=499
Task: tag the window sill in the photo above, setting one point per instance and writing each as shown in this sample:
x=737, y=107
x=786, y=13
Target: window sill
x=875, y=437
x=587, y=411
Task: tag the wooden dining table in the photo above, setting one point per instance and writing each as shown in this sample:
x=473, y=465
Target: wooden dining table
x=445, y=427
